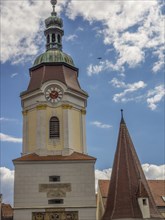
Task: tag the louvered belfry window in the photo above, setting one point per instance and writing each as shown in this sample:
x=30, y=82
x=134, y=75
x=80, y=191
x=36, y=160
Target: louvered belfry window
x=54, y=128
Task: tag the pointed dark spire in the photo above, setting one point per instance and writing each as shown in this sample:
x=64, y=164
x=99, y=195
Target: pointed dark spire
x=128, y=185
x=122, y=118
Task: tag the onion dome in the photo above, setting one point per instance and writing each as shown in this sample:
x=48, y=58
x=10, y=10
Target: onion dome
x=54, y=56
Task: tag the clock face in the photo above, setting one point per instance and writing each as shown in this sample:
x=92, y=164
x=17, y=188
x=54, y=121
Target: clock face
x=53, y=94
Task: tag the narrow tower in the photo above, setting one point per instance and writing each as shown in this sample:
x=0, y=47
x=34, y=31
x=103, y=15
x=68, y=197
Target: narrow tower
x=54, y=177
x=129, y=195
x=54, y=105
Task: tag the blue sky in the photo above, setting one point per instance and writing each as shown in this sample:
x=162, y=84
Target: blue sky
x=129, y=38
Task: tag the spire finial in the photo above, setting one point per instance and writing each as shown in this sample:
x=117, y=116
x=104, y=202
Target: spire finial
x=122, y=118
x=121, y=113
x=53, y=2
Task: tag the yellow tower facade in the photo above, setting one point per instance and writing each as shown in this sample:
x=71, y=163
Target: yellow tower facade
x=54, y=113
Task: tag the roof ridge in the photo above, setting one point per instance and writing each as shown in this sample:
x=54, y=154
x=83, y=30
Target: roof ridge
x=74, y=156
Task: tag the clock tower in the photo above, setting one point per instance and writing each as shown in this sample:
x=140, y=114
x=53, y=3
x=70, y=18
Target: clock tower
x=54, y=177
x=54, y=105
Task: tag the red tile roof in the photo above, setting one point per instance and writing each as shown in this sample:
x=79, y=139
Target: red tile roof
x=74, y=156
x=128, y=182
x=157, y=188
x=104, y=186
x=7, y=211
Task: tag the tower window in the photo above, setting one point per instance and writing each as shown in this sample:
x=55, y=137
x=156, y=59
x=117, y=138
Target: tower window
x=59, y=39
x=55, y=201
x=53, y=38
x=54, y=128
x=48, y=39
x=144, y=201
x=54, y=178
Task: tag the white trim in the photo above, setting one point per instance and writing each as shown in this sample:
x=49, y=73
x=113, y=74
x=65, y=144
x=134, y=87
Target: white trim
x=53, y=82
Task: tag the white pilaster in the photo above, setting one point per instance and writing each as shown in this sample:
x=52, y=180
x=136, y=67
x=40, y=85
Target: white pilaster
x=41, y=128
x=25, y=133
x=67, y=126
x=84, y=147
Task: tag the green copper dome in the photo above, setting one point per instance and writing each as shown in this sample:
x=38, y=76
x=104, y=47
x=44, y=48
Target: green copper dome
x=53, y=56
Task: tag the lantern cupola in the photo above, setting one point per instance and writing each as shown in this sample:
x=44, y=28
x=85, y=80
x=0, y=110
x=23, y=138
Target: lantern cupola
x=54, y=30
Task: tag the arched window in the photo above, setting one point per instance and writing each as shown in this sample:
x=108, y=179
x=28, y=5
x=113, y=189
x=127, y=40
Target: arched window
x=54, y=128
x=59, y=38
x=48, y=39
x=53, y=38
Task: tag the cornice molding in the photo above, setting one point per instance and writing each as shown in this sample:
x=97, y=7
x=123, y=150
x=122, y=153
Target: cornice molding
x=67, y=106
x=24, y=113
x=83, y=111
x=41, y=107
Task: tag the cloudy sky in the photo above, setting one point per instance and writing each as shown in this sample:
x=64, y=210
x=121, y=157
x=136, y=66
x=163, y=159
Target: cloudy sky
x=118, y=48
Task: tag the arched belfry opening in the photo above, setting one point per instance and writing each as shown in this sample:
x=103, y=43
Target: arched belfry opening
x=54, y=128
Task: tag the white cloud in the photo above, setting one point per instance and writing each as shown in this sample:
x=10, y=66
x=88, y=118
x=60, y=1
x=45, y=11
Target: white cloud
x=160, y=63
x=131, y=30
x=71, y=37
x=102, y=66
x=99, y=124
x=80, y=29
x=8, y=138
x=13, y=75
x=8, y=119
x=20, y=39
x=154, y=96
x=7, y=184
x=22, y=25
x=151, y=171
x=95, y=69
x=118, y=84
x=124, y=96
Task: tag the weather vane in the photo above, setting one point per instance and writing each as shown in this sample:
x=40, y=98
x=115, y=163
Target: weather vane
x=53, y=2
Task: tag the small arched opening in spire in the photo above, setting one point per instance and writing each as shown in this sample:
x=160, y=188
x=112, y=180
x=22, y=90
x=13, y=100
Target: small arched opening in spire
x=59, y=38
x=48, y=39
x=53, y=38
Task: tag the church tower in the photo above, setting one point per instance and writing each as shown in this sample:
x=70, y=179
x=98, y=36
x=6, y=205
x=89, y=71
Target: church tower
x=54, y=177
x=54, y=105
